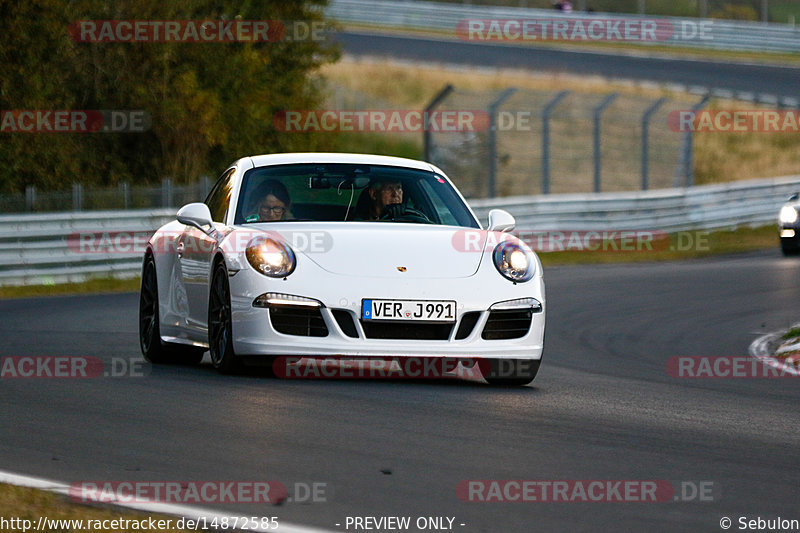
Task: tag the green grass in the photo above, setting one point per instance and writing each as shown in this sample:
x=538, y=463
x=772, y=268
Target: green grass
x=681, y=246
x=94, y=286
x=31, y=504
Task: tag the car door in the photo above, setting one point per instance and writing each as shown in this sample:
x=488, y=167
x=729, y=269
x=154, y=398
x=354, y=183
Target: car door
x=196, y=250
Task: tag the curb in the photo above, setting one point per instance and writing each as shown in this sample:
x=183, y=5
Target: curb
x=763, y=349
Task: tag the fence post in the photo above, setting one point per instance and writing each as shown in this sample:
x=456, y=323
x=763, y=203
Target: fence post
x=598, y=111
x=686, y=164
x=646, y=139
x=493, y=107
x=77, y=197
x=125, y=191
x=30, y=197
x=166, y=192
x=426, y=134
x=546, y=112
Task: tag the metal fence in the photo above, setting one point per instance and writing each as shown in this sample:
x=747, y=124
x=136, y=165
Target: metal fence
x=682, y=32
x=79, y=198
x=542, y=142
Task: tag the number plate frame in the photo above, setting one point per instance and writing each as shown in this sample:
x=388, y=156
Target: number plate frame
x=408, y=311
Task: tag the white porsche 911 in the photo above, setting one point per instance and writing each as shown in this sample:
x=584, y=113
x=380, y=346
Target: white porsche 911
x=341, y=256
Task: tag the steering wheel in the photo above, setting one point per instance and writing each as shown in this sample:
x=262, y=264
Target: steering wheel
x=401, y=213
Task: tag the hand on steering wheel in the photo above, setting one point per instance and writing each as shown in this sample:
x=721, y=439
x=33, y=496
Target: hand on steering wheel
x=401, y=213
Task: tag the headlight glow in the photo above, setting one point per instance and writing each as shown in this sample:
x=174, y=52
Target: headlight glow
x=788, y=214
x=518, y=260
x=514, y=262
x=270, y=257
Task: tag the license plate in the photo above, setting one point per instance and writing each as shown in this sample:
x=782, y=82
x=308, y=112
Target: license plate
x=408, y=310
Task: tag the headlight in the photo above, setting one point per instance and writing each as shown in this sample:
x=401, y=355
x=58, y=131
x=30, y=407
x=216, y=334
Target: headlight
x=270, y=257
x=788, y=215
x=514, y=262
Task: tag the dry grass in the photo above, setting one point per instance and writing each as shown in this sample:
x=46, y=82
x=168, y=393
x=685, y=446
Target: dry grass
x=414, y=85
x=719, y=157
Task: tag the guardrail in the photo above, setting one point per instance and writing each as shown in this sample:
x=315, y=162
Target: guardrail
x=686, y=32
x=40, y=249
x=728, y=205
x=46, y=248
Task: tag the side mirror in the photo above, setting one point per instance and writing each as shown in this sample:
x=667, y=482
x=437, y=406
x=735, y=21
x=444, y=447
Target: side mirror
x=500, y=220
x=196, y=214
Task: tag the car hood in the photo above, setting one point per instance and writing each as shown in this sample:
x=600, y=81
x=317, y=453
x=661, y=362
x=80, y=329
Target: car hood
x=383, y=249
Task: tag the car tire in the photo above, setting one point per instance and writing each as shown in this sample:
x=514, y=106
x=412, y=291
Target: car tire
x=790, y=247
x=509, y=372
x=220, y=324
x=153, y=348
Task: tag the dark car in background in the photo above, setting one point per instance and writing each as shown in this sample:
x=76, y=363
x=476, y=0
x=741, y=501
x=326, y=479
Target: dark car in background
x=789, y=225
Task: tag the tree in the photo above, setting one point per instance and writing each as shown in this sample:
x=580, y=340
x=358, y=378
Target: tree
x=209, y=102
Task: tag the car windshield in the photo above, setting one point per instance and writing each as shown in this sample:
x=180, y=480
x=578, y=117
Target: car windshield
x=349, y=192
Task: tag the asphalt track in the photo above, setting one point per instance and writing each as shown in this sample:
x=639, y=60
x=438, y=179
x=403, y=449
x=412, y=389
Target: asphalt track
x=602, y=408
x=753, y=78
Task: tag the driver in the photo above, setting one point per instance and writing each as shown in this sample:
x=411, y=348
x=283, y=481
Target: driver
x=386, y=198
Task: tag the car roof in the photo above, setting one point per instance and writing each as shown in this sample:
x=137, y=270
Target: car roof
x=329, y=157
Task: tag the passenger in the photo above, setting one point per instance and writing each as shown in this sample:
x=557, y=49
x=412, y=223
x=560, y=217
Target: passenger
x=273, y=203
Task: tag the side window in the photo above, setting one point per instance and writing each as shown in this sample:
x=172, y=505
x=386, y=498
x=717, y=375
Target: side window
x=220, y=196
x=442, y=212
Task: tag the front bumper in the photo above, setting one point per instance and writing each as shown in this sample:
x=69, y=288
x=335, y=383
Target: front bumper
x=255, y=334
